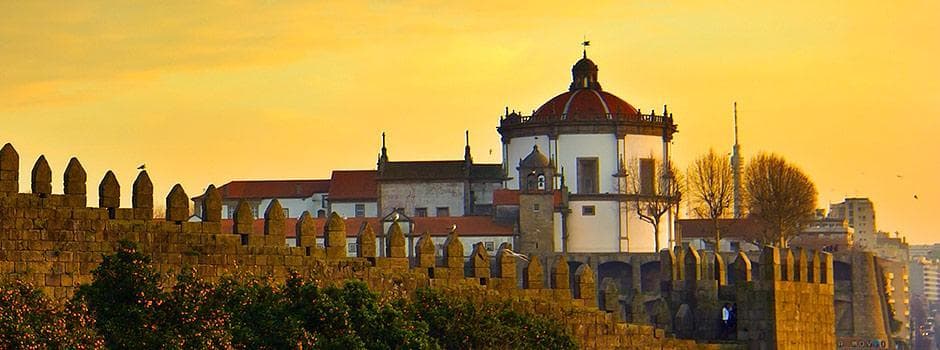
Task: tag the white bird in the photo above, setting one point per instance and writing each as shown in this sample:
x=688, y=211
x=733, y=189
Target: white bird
x=512, y=253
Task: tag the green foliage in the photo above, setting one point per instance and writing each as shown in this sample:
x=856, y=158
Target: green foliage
x=125, y=300
x=459, y=323
x=127, y=305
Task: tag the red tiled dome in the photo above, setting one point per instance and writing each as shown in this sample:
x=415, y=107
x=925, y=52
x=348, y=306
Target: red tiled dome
x=585, y=104
x=585, y=100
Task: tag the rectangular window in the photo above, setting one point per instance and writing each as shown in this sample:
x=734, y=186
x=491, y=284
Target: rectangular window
x=360, y=210
x=286, y=212
x=588, y=210
x=443, y=211
x=535, y=207
x=421, y=212
x=351, y=248
x=490, y=245
x=647, y=176
x=587, y=175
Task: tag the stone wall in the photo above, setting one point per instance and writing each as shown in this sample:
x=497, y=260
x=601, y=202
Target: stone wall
x=784, y=301
x=55, y=241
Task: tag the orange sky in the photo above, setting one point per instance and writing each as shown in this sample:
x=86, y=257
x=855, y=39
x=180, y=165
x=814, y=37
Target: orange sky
x=209, y=92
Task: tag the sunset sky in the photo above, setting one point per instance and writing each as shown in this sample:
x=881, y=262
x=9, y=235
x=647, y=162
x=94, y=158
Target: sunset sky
x=211, y=92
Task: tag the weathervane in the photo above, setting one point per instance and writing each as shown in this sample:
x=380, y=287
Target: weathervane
x=585, y=44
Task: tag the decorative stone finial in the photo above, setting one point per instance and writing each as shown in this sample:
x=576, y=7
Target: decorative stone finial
x=770, y=264
x=453, y=251
x=534, y=274
x=786, y=265
x=668, y=269
x=365, y=242
x=274, y=221
x=506, y=262
x=177, y=205
x=426, y=251
x=335, y=237
x=560, y=274
x=244, y=219
x=142, y=195
x=212, y=205
x=693, y=265
x=586, y=290
x=9, y=169
x=75, y=178
x=306, y=230
x=742, y=268
x=479, y=261
x=109, y=191
x=396, y=242
x=42, y=177
x=720, y=270
x=801, y=266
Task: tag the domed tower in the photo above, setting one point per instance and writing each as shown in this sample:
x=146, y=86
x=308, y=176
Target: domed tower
x=593, y=140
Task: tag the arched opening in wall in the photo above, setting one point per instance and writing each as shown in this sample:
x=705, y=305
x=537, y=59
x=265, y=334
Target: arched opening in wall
x=650, y=277
x=321, y=213
x=841, y=271
x=572, y=268
x=620, y=272
x=844, y=320
x=729, y=273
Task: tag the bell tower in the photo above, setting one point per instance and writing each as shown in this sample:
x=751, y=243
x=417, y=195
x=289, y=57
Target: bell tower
x=536, y=204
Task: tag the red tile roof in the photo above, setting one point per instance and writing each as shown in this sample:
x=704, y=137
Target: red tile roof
x=506, y=197
x=437, y=226
x=351, y=185
x=466, y=226
x=258, y=189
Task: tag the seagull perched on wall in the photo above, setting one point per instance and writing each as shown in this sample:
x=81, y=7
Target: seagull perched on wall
x=518, y=255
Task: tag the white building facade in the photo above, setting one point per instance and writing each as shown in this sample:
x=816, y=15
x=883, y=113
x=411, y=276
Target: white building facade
x=595, y=140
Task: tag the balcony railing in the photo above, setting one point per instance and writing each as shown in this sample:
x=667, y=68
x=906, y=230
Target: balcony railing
x=516, y=119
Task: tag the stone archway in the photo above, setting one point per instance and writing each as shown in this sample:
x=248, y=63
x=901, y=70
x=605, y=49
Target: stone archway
x=620, y=272
x=650, y=278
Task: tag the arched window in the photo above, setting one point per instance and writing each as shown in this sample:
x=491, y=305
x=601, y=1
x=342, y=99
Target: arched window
x=541, y=182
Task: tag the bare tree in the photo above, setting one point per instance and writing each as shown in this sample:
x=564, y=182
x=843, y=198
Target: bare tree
x=655, y=190
x=711, y=189
x=779, y=196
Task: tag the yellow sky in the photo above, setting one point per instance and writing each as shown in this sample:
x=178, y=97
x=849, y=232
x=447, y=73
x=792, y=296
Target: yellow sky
x=209, y=92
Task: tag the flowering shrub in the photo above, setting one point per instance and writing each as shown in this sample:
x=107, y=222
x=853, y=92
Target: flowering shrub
x=29, y=320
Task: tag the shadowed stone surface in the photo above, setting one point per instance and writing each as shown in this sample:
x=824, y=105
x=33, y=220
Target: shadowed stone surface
x=453, y=251
x=9, y=169
x=396, y=241
x=212, y=205
x=274, y=224
x=243, y=218
x=177, y=205
x=479, y=261
x=365, y=242
x=335, y=237
x=505, y=261
x=42, y=177
x=534, y=274
x=109, y=191
x=560, y=273
x=425, y=251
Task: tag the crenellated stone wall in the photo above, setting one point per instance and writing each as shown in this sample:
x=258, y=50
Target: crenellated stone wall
x=785, y=302
x=55, y=241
